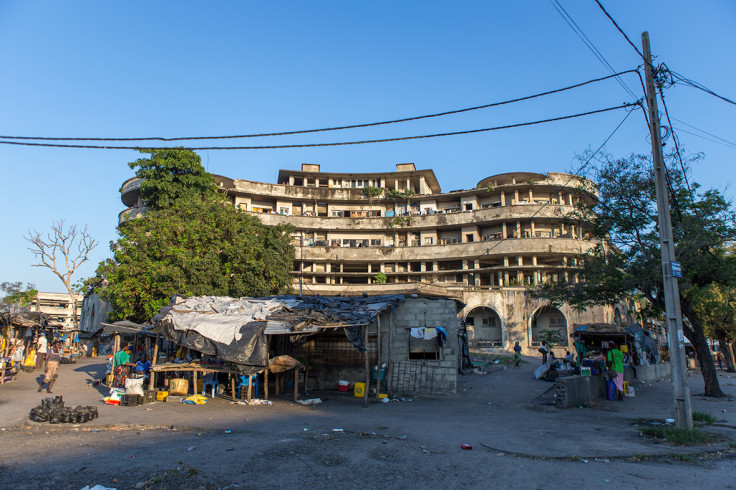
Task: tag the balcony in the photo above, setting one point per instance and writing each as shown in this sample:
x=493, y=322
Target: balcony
x=131, y=191
x=131, y=213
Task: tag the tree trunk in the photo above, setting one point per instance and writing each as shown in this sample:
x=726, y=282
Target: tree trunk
x=696, y=335
x=725, y=348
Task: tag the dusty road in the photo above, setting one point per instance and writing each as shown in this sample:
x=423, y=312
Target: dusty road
x=516, y=444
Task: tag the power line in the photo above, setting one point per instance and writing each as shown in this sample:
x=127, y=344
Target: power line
x=677, y=149
x=588, y=43
x=563, y=186
x=343, y=143
x=619, y=29
x=705, y=138
x=698, y=86
x=336, y=128
x=704, y=132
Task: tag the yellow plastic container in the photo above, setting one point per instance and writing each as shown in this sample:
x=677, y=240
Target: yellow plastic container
x=162, y=396
x=359, y=390
x=626, y=386
x=624, y=349
x=382, y=395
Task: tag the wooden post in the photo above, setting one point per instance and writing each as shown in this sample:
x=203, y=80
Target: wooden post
x=378, y=355
x=153, y=363
x=390, y=341
x=250, y=386
x=296, y=384
x=367, y=366
x=232, y=385
x=265, y=383
x=194, y=382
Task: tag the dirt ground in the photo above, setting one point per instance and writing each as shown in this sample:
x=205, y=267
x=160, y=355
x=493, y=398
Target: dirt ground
x=517, y=442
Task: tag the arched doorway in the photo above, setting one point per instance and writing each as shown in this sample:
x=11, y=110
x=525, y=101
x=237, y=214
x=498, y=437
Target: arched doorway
x=484, y=327
x=548, y=318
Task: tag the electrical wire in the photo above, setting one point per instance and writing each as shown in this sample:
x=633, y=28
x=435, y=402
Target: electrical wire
x=704, y=132
x=678, y=77
x=730, y=145
x=588, y=43
x=620, y=30
x=677, y=147
x=312, y=145
x=336, y=128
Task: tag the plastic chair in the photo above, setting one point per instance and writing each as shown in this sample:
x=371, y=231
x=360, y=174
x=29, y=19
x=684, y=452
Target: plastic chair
x=244, y=382
x=210, y=379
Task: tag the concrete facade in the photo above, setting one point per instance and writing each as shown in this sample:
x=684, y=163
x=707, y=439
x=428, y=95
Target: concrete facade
x=59, y=307
x=487, y=246
x=94, y=312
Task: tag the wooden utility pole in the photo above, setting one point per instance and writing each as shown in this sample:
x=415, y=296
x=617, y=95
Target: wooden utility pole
x=675, y=338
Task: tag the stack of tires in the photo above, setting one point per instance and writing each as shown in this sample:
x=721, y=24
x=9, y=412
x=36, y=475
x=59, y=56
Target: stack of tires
x=53, y=411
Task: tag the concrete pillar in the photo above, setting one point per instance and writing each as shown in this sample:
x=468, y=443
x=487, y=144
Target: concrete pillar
x=503, y=198
x=520, y=261
x=291, y=180
x=516, y=196
x=531, y=195
x=506, y=278
x=532, y=225
x=423, y=267
x=505, y=261
x=503, y=230
x=569, y=199
x=518, y=229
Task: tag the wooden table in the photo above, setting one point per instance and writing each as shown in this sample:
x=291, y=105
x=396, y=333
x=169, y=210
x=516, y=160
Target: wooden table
x=194, y=369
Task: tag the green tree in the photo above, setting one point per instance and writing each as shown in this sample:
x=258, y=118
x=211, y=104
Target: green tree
x=380, y=278
x=171, y=176
x=626, y=259
x=17, y=297
x=716, y=306
x=192, y=249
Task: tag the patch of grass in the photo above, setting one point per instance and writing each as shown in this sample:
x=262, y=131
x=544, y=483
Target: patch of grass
x=706, y=418
x=684, y=458
x=678, y=436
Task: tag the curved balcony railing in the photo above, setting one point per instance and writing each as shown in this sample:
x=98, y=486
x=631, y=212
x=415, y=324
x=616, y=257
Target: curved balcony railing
x=509, y=246
x=485, y=216
x=131, y=213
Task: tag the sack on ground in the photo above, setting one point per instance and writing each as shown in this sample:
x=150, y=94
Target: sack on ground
x=541, y=371
x=134, y=386
x=178, y=386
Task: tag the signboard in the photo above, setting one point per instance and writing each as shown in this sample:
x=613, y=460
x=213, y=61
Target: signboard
x=676, y=269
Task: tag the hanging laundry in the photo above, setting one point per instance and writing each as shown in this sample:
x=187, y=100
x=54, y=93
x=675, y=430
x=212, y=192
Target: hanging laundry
x=430, y=333
x=441, y=336
x=417, y=333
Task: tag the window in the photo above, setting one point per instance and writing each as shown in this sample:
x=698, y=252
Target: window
x=429, y=240
x=375, y=242
x=423, y=349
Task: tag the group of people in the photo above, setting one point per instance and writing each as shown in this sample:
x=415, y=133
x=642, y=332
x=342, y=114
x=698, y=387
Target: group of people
x=121, y=367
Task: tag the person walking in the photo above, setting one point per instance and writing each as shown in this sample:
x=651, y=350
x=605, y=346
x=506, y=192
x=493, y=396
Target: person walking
x=41, y=348
x=616, y=363
x=544, y=350
x=517, y=355
x=51, y=366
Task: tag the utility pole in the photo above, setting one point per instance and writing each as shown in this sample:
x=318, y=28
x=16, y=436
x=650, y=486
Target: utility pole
x=301, y=260
x=675, y=339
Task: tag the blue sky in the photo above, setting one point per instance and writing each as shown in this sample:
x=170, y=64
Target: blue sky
x=185, y=68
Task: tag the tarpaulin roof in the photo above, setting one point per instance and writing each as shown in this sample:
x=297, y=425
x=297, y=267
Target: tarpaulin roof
x=233, y=328
x=35, y=319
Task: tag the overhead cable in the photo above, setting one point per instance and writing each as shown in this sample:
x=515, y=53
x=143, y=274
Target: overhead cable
x=342, y=143
x=588, y=43
x=620, y=30
x=336, y=128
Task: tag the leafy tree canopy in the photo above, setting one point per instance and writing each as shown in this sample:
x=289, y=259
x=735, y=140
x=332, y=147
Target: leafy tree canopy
x=17, y=297
x=197, y=248
x=171, y=176
x=627, y=258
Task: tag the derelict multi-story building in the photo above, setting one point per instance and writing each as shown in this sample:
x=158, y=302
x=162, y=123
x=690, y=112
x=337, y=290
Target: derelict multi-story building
x=486, y=245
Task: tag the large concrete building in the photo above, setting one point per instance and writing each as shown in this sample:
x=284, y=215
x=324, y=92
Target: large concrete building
x=486, y=246
x=59, y=308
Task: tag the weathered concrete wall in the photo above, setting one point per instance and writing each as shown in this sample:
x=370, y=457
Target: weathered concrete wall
x=94, y=312
x=410, y=376
x=572, y=391
x=516, y=308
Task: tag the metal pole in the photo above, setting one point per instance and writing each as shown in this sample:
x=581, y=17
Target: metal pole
x=680, y=387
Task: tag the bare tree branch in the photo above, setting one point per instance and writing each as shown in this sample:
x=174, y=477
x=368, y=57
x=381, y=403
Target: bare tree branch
x=69, y=245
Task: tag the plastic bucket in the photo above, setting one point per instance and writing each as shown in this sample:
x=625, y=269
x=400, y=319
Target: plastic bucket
x=343, y=386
